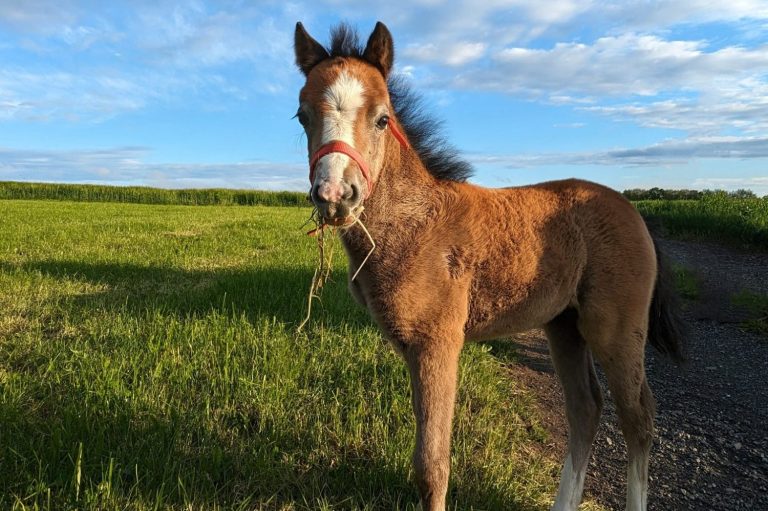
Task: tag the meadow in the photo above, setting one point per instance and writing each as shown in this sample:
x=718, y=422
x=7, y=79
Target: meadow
x=148, y=195
x=717, y=216
x=149, y=360
x=737, y=218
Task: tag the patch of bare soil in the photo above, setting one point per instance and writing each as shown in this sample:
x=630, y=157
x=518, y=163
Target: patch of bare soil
x=711, y=450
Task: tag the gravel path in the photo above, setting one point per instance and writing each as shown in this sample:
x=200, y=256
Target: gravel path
x=711, y=451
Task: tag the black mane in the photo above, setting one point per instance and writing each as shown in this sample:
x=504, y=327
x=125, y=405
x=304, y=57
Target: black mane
x=345, y=42
x=439, y=157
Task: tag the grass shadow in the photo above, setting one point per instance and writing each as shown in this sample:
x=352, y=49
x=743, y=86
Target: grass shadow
x=274, y=292
x=93, y=449
x=101, y=455
x=91, y=457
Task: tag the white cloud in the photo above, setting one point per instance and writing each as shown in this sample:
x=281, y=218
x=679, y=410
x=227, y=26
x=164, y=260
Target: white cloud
x=659, y=14
x=193, y=36
x=759, y=185
x=452, y=54
x=620, y=66
x=90, y=66
x=45, y=95
x=670, y=152
x=37, y=16
x=570, y=125
x=128, y=166
x=749, y=115
x=622, y=76
x=500, y=23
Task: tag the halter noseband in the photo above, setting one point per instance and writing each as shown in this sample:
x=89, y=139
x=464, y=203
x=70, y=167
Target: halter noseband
x=338, y=146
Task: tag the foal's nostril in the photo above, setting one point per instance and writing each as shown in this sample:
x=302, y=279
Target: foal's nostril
x=314, y=195
x=335, y=198
x=352, y=193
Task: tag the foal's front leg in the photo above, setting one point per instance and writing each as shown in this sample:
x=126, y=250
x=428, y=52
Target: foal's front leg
x=433, y=367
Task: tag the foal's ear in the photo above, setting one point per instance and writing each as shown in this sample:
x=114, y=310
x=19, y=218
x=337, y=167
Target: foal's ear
x=308, y=51
x=380, y=50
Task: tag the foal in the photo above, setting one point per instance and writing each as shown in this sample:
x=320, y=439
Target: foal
x=456, y=262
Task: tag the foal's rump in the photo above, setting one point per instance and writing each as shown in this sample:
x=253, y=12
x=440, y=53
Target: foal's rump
x=620, y=256
x=625, y=288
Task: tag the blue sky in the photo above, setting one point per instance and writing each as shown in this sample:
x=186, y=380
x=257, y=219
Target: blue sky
x=632, y=94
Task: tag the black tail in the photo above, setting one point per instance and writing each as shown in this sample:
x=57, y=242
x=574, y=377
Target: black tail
x=665, y=326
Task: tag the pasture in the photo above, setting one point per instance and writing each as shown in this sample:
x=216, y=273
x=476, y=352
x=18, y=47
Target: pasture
x=149, y=360
x=717, y=216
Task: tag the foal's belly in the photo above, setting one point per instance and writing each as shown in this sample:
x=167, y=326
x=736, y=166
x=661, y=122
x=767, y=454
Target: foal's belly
x=508, y=324
x=491, y=318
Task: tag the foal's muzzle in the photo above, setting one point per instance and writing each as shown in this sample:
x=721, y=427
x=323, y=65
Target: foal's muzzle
x=337, y=200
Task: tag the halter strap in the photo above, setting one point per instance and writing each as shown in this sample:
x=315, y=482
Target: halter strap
x=339, y=146
x=398, y=135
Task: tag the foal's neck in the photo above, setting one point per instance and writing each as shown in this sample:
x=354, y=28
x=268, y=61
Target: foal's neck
x=405, y=191
x=404, y=201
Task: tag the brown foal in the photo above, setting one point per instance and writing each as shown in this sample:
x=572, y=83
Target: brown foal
x=457, y=262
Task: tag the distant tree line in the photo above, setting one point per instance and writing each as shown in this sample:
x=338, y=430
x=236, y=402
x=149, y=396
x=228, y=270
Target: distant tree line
x=655, y=193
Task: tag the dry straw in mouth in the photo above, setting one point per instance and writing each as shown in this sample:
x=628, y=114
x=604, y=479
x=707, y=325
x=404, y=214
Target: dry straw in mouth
x=325, y=258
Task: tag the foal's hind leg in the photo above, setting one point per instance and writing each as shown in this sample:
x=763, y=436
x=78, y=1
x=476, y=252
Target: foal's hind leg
x=621, y=354
x=583, y=400
x=433, y=369
x=636, y=409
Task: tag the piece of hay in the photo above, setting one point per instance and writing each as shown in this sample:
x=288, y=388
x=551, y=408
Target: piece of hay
x=325, y=257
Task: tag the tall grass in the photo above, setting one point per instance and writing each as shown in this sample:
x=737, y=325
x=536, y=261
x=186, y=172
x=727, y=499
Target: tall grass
x=147, y=195
x=715, y=217
x=148, y=360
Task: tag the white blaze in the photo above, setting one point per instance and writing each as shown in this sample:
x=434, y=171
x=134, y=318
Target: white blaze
x=343, y=98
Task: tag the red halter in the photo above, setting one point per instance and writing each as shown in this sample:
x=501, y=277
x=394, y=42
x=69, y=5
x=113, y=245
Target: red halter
x=337, y=146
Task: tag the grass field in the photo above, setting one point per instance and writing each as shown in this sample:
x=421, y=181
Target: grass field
x=148, y=360
x=715, y=217
x=147, y=195
x=757, y=305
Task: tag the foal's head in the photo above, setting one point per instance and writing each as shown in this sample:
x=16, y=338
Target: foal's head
x=345, y=110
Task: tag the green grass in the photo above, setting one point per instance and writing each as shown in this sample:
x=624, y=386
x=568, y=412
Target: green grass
x=716, y=217
x=713, y=215
x=757, y=305
x=147, y=195
x=686, y=282
x=148, y=360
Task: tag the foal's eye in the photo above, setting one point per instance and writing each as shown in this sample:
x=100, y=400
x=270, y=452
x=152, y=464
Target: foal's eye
x=302, y=117
x=382, y=122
